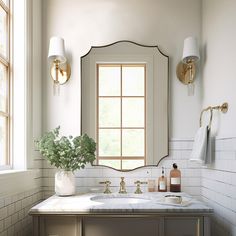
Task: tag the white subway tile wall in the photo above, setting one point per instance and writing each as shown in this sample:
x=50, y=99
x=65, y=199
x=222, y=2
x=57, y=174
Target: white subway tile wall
x=14, y=207
x=14, y=218
x=218, y=187
x=89, y=178
x=215, y=184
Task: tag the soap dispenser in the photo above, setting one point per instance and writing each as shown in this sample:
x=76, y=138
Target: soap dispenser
x=162, y=182
x=175, y=179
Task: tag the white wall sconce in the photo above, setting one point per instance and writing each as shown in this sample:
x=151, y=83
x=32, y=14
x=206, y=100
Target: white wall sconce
x=60, y=70
x=186, y=68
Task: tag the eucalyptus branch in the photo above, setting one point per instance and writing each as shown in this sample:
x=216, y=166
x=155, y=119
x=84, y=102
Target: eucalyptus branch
x=67, y=153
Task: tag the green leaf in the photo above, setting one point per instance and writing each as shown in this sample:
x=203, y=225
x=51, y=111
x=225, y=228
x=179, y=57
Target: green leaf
x=67, y=153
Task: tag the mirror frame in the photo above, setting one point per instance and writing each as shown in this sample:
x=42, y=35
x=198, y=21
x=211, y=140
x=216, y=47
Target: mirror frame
x=168, y=94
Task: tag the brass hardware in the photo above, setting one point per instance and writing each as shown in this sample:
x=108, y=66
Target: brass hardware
x=122, y=186
x=107, y=185
x=186, y=69
x=60, y=73
x=223, y=108
x=138, y=183
x=186, y=73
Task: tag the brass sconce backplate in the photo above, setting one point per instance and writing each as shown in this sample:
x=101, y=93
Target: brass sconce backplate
x=183, y=72
x=64, y=73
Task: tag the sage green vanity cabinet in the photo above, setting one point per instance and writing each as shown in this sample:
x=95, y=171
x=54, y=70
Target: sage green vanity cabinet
x=120, y=225
x=183, y=226
x=84, y=215
x=57, y=226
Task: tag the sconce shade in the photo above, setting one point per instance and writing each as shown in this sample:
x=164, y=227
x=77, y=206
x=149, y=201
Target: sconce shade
x=57, y=50
x=191, y=50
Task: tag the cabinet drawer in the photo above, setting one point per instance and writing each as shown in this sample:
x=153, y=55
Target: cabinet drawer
x=60, y=226
x=183, y=226
x=125, y=226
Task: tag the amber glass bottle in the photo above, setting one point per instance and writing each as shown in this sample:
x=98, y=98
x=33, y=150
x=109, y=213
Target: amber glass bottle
x=175, y=179
x=162, y=182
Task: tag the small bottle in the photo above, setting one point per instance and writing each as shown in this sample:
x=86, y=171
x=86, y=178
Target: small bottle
x=151, y=185
x=175, y=179
x=162, y=182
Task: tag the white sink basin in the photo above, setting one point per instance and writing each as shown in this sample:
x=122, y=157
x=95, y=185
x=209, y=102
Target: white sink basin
x=119, y=199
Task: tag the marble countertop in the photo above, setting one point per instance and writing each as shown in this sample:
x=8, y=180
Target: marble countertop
x=83, y=205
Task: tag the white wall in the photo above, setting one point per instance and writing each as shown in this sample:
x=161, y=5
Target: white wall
x=219, y=83
x=20, y=190
x=219, y=77
x=84, y=23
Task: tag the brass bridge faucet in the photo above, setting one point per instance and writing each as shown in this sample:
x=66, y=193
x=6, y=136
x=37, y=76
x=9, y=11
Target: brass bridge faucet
x=107, y=185
x=122, y=186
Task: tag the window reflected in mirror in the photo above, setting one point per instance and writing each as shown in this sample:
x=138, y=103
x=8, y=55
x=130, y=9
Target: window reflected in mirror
x=121, y=115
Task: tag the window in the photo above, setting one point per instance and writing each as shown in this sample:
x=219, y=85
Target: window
x=121, y=115
x=4, y=82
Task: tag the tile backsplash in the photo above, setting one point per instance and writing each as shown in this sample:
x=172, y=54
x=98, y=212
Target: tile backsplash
x=218, y=187
x=14, y=218
x=91, y=176
x=215, y=184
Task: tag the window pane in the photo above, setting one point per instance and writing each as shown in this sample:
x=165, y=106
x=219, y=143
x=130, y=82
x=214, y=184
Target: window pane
x=3, y=32
x=109, y=112
x=112, y=163
x=6, y=2
x=3, y=88
x=131, y=164
x=109, y=80
x=109, y=142
x=3, y=139
x=133, y=142
x=133, y=83
x=133, y=112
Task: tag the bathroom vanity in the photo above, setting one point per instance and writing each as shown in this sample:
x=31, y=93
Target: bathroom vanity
x=120, y=214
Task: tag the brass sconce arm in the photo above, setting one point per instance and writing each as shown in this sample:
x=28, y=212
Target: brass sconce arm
x=186, y=73
x=63, y=72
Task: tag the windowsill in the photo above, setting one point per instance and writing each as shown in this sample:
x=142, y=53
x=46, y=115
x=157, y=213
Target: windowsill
x=17, y=181
x=14, y=173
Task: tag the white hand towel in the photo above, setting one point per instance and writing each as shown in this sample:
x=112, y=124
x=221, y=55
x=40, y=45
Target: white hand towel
x=200, y=145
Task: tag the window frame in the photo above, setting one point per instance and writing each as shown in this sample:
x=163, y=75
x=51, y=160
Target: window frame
x=6, y=62
x=121, y=157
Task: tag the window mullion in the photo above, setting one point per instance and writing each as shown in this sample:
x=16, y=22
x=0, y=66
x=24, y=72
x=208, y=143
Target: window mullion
x=4, y=7
x=4, y=61
x=4, y=114
x=121, y=122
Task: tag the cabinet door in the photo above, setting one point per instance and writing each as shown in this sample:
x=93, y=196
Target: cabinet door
x=60, y=226
x=116, y=226
x=181, y=226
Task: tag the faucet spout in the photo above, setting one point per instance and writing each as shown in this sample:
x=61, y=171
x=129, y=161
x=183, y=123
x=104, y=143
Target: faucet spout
x=122, y=186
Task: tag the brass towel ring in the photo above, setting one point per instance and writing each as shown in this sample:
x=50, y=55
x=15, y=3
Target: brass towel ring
x=223, y=108
x=211, y=115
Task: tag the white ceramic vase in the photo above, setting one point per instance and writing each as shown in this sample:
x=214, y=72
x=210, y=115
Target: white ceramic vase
x=64, y=183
